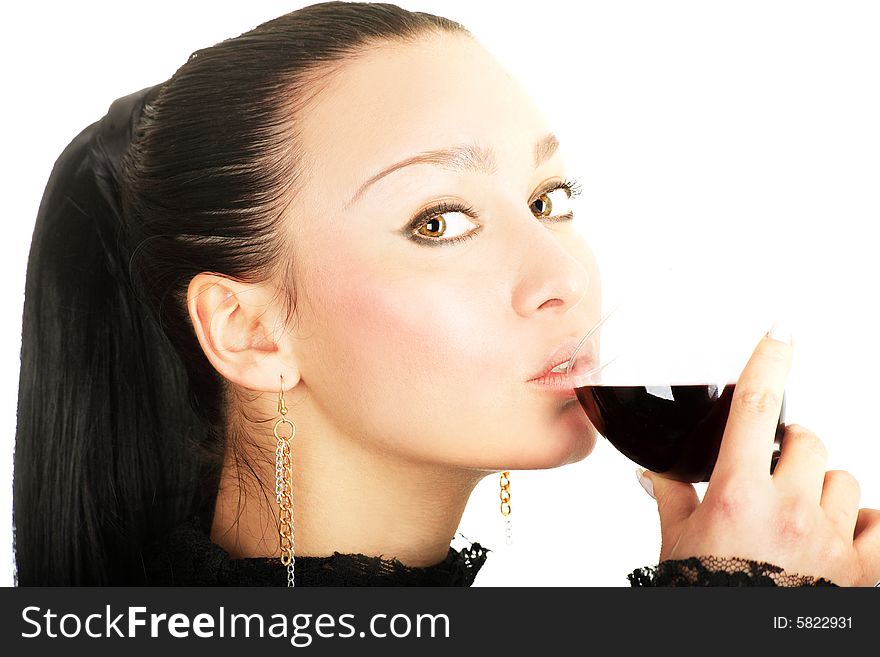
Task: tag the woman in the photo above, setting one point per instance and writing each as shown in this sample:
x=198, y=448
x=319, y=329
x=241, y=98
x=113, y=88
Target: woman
x=260, y=291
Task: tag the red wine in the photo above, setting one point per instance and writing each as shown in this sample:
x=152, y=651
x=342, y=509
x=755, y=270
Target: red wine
x=674, y=430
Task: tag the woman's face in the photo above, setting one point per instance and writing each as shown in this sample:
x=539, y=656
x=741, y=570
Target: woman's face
x=406, y=340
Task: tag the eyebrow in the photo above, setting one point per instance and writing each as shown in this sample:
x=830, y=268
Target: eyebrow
x=462, y=157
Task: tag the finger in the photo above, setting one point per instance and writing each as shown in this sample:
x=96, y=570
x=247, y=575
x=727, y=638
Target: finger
x=801, y=468
x=840, y=500
x=867, y=543
x=747, y=446
x=868, y=526
x=676, y=501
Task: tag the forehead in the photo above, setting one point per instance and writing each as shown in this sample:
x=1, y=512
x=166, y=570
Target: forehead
x=399, y=99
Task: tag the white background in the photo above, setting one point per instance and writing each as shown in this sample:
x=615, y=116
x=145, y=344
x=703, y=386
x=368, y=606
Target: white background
x=734, y=146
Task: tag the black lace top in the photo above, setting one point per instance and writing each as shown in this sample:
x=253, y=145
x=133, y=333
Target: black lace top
x=188, y=557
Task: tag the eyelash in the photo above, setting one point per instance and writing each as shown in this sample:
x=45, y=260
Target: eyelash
x=573, y=188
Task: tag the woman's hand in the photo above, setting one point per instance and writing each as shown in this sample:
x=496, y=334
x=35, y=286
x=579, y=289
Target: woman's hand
x=803, y=519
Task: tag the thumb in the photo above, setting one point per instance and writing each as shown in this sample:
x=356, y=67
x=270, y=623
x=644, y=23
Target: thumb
x=676, y=500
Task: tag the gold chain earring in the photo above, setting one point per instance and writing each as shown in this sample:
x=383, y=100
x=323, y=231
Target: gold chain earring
x=284, y=486
x=505, y=506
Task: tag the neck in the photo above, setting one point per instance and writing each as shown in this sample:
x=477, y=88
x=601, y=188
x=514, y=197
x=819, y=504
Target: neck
x=348, y=497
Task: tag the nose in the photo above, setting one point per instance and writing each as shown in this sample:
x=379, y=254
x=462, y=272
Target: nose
x=553, y=277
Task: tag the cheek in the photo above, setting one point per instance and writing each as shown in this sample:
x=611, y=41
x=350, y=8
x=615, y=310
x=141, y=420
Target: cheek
x=403, y=357
x=403, y=330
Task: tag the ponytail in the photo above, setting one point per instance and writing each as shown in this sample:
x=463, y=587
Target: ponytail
x=102, y=464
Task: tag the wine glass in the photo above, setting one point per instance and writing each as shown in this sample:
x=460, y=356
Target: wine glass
x=656, y=377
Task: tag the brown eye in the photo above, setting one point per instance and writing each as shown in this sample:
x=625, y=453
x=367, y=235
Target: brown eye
x=434, y=227
x=544, y=205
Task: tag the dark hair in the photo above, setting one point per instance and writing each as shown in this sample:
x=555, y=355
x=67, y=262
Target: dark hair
x=123, y=423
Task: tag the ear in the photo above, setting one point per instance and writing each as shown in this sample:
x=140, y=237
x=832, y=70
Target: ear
x=234, y=323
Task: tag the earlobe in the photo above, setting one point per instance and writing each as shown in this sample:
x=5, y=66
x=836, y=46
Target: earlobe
x=230, y=321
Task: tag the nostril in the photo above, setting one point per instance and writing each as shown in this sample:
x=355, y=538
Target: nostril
x=552, y=302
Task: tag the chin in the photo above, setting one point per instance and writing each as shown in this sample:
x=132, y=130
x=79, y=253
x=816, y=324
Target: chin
x=570, y=440
x=576, y=435
x=584, y=447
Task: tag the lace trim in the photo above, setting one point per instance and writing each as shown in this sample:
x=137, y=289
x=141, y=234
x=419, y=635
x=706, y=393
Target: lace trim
x=188, y=557
x=719, y=571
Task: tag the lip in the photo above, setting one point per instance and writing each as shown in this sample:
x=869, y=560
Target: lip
x=556, y=382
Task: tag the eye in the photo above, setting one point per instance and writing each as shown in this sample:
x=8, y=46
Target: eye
x=438, y=225
x=433, y=226
x=554, y=203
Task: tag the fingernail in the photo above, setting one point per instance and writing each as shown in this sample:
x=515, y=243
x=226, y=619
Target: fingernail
x=779, y=331
x=645, y=481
